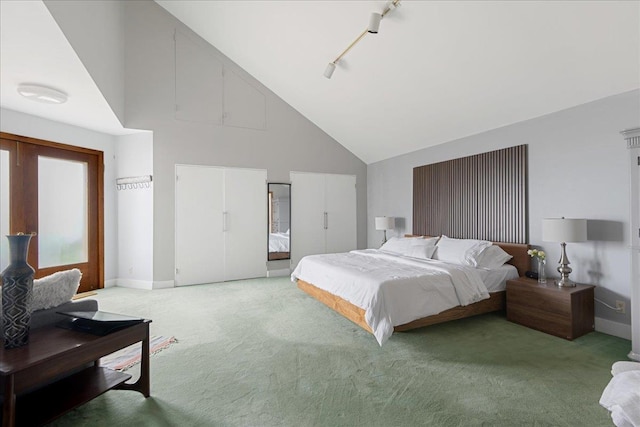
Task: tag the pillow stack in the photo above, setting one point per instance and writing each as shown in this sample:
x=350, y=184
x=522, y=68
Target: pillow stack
x=467, y=252
x=415, y=247
x=470, y=252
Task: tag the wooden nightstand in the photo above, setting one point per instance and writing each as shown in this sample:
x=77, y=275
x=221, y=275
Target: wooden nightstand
x=563, y=312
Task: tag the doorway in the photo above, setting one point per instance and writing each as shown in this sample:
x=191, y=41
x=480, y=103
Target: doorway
x=55, y=191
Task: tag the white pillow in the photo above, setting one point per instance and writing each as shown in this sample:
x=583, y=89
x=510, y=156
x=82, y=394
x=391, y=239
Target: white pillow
x=460, y=251
x=421, y=247
x=416, y=247
x=420, y=251
x=493, y=257
x=55, y=289
x=397, y=245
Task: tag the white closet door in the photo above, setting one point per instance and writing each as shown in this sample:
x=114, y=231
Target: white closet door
x=307, y=215
x=245, y=211
x=340, y=204
x=199, y=237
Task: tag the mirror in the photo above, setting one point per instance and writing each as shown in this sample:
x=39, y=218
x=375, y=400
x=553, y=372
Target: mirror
x=279, y=221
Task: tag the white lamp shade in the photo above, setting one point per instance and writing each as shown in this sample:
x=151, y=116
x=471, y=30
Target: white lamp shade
x=564, y=230
x=374, y=23
x=385, y=223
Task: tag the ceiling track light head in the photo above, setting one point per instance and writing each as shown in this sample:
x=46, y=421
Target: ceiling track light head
x=331, y=67
x=374, y=23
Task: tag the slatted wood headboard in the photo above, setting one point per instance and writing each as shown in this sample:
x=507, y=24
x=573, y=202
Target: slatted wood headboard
x=483, y=196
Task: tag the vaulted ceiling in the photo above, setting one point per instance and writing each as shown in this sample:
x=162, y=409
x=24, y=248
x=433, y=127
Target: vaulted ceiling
x=33, y=49
x=436, y=71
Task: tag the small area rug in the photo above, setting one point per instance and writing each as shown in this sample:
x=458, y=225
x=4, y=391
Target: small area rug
x=124, y=359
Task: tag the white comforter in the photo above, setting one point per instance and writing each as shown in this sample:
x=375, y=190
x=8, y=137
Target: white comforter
x=622, y=394
x=393, y=290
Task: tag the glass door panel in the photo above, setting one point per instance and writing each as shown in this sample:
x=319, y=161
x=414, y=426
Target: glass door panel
x=54, y=190
x=5, y=208
x=63, y=237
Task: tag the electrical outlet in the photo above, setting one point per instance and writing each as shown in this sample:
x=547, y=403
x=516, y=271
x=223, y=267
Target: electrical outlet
x=621, y=307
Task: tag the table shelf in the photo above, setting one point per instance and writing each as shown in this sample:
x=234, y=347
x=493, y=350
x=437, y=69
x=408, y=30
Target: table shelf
x=58, y=371
x=47, y=403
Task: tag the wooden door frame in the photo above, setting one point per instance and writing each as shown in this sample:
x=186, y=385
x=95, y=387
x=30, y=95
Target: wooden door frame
x=100, y=190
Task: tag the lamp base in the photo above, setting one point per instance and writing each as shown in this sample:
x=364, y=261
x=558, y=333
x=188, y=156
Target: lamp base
x=384, y=239
x=565, y=283
x=564, y=269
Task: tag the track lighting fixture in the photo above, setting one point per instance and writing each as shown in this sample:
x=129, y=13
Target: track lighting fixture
x=373, y=27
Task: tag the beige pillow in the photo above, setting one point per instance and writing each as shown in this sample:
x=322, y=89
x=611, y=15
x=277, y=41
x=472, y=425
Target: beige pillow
x=56, y=289
x=53, y=290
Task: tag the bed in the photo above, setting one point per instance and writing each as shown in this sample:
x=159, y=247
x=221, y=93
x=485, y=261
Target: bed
x=385, y=291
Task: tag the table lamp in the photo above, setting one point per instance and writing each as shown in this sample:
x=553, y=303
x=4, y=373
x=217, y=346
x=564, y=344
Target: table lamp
x=564, y=230
x=385, y=223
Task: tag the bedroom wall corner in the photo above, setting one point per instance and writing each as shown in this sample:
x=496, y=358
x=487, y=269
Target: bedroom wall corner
x=134, y=157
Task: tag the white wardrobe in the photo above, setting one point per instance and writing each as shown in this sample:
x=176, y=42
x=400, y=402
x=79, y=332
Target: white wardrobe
x=221, y=224
x=323, y=214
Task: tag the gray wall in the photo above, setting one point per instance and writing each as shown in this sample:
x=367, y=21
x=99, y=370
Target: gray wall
x=578, y=168
x=95, y=29
x=290, y=141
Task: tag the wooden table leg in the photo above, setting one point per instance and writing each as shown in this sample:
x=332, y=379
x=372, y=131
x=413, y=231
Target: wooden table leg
x=143, y=384
x=144, y=369
x=9, y=405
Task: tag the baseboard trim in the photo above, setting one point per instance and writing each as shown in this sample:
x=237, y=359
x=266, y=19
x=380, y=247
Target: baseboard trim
x=165, y=284
x=139, y=284
x=135, y=284
x=279, y=273
x=621, y=330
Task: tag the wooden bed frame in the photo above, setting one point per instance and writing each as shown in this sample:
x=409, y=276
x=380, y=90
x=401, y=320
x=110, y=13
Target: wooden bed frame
x=495, y=302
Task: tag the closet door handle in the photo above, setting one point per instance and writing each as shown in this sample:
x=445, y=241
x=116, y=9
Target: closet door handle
x=326, y=220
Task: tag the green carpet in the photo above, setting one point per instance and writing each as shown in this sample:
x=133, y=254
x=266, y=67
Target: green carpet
x=263, y=353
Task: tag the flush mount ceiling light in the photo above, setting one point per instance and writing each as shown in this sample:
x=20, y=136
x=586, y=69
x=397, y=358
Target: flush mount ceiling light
x=40, y=93
x=374, y=25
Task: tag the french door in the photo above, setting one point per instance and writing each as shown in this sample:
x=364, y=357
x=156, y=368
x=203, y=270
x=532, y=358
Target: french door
x=55, y=191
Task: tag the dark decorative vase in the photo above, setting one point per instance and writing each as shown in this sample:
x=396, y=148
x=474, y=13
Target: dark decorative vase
x=17, y=285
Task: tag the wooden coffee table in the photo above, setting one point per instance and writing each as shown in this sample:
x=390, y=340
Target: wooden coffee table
x=59, y=370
